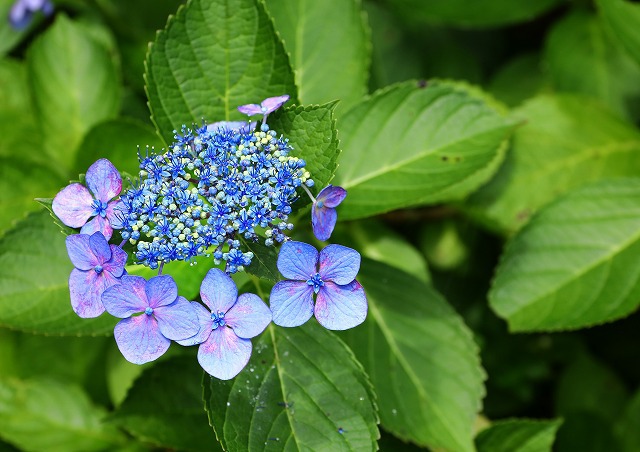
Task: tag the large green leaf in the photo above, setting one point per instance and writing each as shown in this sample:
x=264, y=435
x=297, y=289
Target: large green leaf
x=576, y=263
x=566, y=142
x=330, y=62
x=518, y=436
x=302, y=390
x=75, y=85
x=581, y=58
x=421, y=358
x=176, y=419
x=622, y=20
x=46, y=414
x=212, y=57
x=34, y=274
x=477, y=13
x=527, y=70
x=627, y=426
x=410, y=145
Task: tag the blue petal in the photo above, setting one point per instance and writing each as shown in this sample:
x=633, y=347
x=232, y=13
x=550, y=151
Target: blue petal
x=80, y=252
x=323, y=220
x=161, y=291
x=116, y=264
x=205, y=324
x=178, y=320
x=332, y=195
x=140, y=340
x=339, y=264
x=100, y=247
x=98, y=224
x=104, y=180
x=86, y=289
x=341, y=307
x=126, y=298
x=249, y=316
x=297, y=260
x=218, y=291
x=224, y=354
x=291, y=303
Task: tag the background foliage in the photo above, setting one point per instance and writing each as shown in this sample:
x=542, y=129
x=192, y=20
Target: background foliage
x=491, y=152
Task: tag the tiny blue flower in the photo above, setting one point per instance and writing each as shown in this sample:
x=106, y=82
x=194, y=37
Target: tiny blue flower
x=340, y=300
x=22, y=12
x=227, y=326
x=166, y=316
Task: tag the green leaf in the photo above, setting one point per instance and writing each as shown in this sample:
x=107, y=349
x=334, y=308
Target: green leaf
x=34, y=274
x=421, y=358
x=566, y=141
x=581, y=59
x=622, y=21
x=212, y=57
x=409, y=145
x=75, y=85
x=479, y=13
x=264, y=262
x=518, y=435
x=575, y=264
x=164, y=407
x=117, y=140
x=302, y=390
x=330, y=62
x=627, y=426
x=312, y=134
x=527, y=70
x=47, y=414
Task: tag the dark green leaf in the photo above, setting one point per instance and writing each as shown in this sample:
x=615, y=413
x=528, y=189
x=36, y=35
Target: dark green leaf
x=264, y=262
x=622, y=20
x=421, y=358
x=627, y=426
x=212, y=57
x=527, y=70
x=518, y=436
x=302, y=390
x=411, y=145
x=576, y=263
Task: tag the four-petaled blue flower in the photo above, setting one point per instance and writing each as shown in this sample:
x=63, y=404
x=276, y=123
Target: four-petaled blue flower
x=267, y=106
x=153, y=314
x=340, y=299
x=323, y=212
x=227, y=326
x=22, y=12
x=98, y=266
x=75, y=203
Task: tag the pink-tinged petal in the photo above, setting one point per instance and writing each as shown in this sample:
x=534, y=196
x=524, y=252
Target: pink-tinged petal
x=86, y=289
x=223, y=355
x=218, y=291
x=161, y=291
x=339, y=264
x=73, y=205
x=100, y=247
x=323, y=220
x=178, y=320
x=114, y=214
x=104, y=180
x=291, y=303
x=80, y=252
x=331, y=196
x=98, y=224
x=116, y=264
x=271, y=104
x=140, y=340
x=341, y=307
x=297, y=260
x=249, y=316
x=250, y=109
x=205, y=324
x=126, y=298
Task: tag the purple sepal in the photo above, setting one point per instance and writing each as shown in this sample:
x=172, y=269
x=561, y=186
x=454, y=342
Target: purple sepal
x=249, y=316
x=297, y=260
x=177, y=320
x=204, y=323
x=341, y=307
x=218, y=291
x=116, y=264
x=72, y=205
x=98, y=224
x=22, y=12
x=80, y=252
x=162, y=291
x=223, y=355
x=267, y=106
x=331, y=196
x=291, y=303
x=323, y=221
x=86, y=289
x=140, y=340
x=104, y=180
x=127, y=298
x=339, y=264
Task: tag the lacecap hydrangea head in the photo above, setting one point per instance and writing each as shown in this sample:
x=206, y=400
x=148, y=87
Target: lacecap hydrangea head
x=213, y=189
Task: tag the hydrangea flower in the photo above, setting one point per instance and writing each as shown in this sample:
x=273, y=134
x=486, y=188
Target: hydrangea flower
x=323, y=212
x=75, y=203
x=227, y=326
x=163, y=316
x=267, y=106
x=340, y=300
x=22, y=11
x=98, y=266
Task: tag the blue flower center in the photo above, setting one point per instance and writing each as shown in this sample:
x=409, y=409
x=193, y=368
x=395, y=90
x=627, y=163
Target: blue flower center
x=99, y=208
x=148, y=310
x=319, y=204
x=98, y=269
x=218, y=320
x=315, y=281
